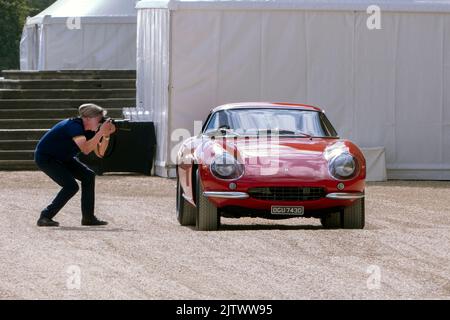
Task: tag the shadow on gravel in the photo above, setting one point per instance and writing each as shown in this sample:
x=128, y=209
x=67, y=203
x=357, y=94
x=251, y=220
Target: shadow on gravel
x=240, y=227
x=96, y=229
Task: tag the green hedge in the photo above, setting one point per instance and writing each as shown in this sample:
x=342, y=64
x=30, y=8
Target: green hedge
x=12, y=18
x=13, y=14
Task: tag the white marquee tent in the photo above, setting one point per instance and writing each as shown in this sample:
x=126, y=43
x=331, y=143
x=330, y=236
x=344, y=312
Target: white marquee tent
x=387, y=87
x=81, y=34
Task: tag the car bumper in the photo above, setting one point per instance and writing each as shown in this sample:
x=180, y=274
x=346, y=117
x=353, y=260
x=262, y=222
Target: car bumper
x=223, y=199
x=226, y=194
x=244, y=195
x=221, y=195
x=345, y=195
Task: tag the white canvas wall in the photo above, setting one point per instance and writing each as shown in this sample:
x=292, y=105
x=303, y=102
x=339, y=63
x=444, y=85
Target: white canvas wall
x=153, y=75
x=381, y=88
x=101, y=34
x=94, y=46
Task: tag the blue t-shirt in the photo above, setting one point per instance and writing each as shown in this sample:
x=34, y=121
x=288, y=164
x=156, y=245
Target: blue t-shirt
x=58, y=142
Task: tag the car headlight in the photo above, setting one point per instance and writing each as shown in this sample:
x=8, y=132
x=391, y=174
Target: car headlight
x=226, y=167
x=342, y=166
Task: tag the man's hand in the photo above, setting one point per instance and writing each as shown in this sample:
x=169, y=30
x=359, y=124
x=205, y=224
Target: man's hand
x=103, y=144
x=107, y=128
x=112, y=130
x=87, y=146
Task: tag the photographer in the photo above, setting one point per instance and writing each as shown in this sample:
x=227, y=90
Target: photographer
x=56, y=154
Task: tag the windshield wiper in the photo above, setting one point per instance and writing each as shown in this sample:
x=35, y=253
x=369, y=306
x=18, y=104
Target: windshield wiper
x=284, y=132
x=222, y=132
x=304, y=134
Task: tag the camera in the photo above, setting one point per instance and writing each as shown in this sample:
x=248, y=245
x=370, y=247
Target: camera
x=104, y=119
x=120, y=124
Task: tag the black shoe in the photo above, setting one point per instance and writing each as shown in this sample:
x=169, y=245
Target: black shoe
x=93, y=222
x=46, y=222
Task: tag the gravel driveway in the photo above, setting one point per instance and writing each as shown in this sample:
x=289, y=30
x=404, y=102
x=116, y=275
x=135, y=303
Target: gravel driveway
x=404, y=251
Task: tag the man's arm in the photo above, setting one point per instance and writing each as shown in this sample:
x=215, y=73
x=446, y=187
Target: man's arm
x=102, y=146
x=87, y=146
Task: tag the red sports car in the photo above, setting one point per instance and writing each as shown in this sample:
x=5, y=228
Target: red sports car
x=270, y=160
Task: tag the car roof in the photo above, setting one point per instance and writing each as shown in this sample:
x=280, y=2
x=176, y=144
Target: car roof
x=261, y=105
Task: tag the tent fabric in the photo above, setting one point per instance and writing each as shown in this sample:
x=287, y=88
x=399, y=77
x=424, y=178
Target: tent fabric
x=84, y=8
x=153, y=65
x=380, y=88
x=339, y=5
x=375, y=163
x=81, y=34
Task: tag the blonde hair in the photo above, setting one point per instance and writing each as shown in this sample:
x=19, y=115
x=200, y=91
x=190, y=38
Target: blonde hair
x=90, y=110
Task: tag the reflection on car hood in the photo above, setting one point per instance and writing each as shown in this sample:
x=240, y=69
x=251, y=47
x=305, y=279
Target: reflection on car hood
x=299, y=158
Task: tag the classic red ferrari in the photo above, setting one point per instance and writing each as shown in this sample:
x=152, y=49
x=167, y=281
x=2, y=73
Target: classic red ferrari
x=270, y=160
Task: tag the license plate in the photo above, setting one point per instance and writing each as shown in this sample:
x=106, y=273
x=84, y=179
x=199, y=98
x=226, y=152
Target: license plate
x=288, y=210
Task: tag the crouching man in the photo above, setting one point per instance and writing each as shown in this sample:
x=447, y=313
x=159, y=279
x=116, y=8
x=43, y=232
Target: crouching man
x=56, y=153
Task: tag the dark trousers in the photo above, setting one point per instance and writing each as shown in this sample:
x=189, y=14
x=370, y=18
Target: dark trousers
x=64, y=174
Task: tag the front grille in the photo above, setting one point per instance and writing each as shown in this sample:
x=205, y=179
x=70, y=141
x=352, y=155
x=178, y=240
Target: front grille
x=287, y=193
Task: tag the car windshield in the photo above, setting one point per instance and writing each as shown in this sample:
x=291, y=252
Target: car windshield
x=253, y=121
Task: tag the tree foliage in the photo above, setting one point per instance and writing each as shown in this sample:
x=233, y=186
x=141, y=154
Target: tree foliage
x=13, y=14
x=36, y=6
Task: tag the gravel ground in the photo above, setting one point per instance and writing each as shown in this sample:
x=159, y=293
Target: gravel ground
x=403, y=253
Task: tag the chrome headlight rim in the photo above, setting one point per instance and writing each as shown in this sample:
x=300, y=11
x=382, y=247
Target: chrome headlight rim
x=337, y=176
x=238, y=172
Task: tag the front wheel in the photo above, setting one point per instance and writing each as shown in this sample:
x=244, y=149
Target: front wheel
x=352, y=217
x=331, y=220
x=208, y=218
x=185, y=211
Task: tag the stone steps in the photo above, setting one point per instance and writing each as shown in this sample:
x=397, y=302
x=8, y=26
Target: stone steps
x=8, y=145
x=20, y=134
x=66, y=93
x=68, y=74
x=28, y=123
x=65, y=103
x=31, y=102
x=16, y=154
x=68, y=84
x=48, y=113
x=17, y=165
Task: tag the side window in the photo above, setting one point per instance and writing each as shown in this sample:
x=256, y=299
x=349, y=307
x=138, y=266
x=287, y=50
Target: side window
x=206, y=122
x=327, y=126
x=213, y=123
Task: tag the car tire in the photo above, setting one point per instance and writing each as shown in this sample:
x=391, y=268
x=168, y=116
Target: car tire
x=185, y=211
x=331, y=220
x=353, y=217
x=207, y=218
x=219, y=220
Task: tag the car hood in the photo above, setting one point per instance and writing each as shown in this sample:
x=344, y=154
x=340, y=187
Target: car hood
x=283, y=157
